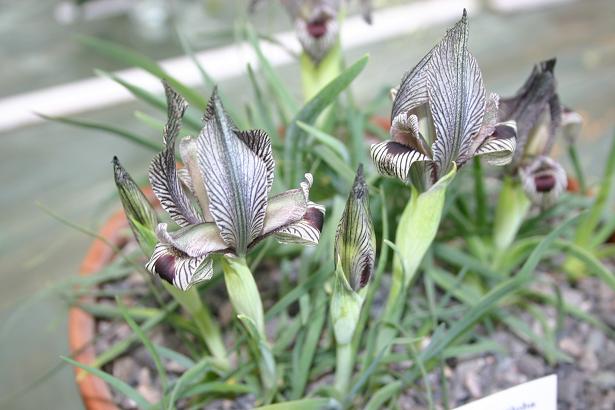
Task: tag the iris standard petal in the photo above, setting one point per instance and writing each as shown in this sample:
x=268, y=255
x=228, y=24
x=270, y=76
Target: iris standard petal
x=412, y=91
x=456, y=95
x=260, y=143
x=529, y=104
x=394, y=159
x=194, y=240
x=177, y=268
x=499, y=147
x=163, y=174
x=235, y=179
x=189, y=154
x=355, y=240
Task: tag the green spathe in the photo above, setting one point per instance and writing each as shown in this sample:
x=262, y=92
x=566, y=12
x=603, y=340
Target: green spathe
x=248, y=306
x=511, y=209
x=416, y=231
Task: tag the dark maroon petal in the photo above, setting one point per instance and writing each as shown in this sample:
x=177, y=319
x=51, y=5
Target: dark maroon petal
x=544, y=182
x=165, y=267
x=314, y=217
x=317, y=28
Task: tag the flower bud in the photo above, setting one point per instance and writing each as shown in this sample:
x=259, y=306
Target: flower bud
x=355, y=242
x=139, y=212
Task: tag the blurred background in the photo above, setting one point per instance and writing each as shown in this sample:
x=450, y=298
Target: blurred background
x=49, y=167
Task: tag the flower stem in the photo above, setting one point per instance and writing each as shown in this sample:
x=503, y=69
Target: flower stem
x=210, y=332
x=343, y=369
x=247, y=303
x=510, y=211
x=416, y=231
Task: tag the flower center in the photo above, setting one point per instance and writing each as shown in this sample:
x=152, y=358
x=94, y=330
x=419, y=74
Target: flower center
x=544, y=182
x=317, y=28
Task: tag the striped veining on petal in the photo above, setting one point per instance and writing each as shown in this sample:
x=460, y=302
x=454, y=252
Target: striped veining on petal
x=405, y=130
x=163, y=174
x=412, y=91
x=194, y=240
x=544, y=180
x=394, y=159
x=456, y=95
x=259, y=142
x=177, y=268
x=305, y=231
x=189, y=154
x=235, y=179
x=499, y=148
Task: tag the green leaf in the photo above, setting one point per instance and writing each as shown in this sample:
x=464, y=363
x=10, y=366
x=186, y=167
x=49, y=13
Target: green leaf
x=303, y=404
x=287, y=102
x=116, y=383
x=162, y=373
x=326, y=139
x=133, y=58
x=137, y=139
x=310, y=112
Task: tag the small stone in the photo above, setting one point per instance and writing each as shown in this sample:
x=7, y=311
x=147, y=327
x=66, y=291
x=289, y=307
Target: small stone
x=605, y=380
x=531, y=366
x=589, y=362
x=571, y=347
x=146, y=388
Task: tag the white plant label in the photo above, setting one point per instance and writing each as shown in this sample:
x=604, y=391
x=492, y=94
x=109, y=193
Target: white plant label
x=539, y=394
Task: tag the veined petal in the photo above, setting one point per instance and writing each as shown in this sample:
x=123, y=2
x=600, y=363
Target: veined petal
x=456, y=95
x=260, y=143
x=355, y=240
x=499, y=147
x=284, y=209
x=405, y=130
x=394, y=159
x=177, y=268
x=194, y=180
x=305, y=231
x=412, y=91
x=194, y=240
x=235, y=179
x=543, y=180
x=163, y=174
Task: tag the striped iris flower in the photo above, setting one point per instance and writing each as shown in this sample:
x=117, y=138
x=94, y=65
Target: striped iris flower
x=220, y=197
x=442, y=117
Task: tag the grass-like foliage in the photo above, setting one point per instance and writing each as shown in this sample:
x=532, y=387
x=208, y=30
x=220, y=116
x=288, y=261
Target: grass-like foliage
x=416, y=262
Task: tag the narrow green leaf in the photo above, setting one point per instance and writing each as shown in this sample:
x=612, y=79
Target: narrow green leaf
x=326, y=139
x=303, y=404
x=162, y=373
x=114, y=382
x=133, y=58
x=312, y=109
x=137, y=139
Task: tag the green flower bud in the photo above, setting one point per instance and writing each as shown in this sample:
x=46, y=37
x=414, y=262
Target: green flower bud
x=139, y=212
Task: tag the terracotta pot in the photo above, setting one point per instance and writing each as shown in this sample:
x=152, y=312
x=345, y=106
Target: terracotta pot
x=95, y=393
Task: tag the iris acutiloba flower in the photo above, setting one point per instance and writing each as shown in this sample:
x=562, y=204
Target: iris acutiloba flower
x=442, y=117
x=220, y=198
x=355, y=254
x=540, y=118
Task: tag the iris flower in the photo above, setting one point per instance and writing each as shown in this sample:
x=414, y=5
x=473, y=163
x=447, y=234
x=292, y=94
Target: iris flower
x=442, y=117
x=220, y=198
x=316, y=24
x=540, y=117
